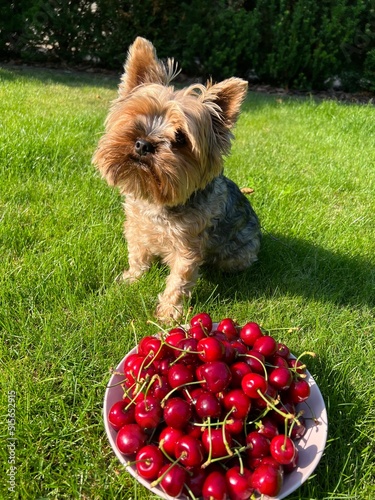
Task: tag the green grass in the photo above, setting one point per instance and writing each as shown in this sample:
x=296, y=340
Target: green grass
x=64, y=321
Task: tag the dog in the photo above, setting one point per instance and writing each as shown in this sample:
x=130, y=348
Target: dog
x=164, y=148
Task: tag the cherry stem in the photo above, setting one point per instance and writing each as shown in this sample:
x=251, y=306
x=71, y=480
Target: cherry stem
x=162, y=402
x=136, y=394
x=230, y=452
x=157, y=326
x=316, y=420
x=287, y=416
x=240, y=460
x=209, y=458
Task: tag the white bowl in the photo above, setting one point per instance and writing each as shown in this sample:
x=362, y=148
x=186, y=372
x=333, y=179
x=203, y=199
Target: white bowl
x=310, y=446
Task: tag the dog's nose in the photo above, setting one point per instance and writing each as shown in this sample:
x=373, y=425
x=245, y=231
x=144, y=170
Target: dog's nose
x=143, y=147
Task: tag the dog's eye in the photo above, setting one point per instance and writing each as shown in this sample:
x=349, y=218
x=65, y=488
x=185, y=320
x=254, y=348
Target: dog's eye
x=180, y=138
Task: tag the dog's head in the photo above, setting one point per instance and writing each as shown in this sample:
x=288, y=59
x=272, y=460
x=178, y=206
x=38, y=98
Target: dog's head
x=163, y=144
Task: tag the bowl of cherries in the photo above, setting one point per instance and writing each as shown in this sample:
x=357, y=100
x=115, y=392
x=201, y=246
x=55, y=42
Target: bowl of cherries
x=215, y=411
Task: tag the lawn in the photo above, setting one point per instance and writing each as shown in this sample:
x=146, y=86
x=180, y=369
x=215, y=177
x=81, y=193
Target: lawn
x=64, y=322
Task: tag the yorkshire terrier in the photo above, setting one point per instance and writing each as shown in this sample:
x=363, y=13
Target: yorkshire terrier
x=164, y=149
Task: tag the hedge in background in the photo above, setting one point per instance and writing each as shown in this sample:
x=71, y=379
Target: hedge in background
x=293, y=43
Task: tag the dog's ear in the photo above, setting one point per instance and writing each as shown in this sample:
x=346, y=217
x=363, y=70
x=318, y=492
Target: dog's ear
x=142, y=67
x=228, y=95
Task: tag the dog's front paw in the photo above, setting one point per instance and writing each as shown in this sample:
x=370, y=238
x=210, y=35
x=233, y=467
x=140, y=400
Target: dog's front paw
x=128, y=277
x=168, y=313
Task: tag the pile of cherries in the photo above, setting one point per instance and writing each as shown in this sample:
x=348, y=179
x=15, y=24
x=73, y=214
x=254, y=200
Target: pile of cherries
x=211, y=413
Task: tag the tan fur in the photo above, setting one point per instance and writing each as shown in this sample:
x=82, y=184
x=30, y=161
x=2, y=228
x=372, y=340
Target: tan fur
x=174, y=190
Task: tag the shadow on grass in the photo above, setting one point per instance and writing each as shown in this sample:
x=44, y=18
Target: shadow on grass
x=52, y=76
x=297, y=267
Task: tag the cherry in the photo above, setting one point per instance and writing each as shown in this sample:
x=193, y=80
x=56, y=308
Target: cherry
x=283, y=449
x=168, y=437
x=174, y=337
x=266, y=345
x=195, y=480
x=297, y=366
x=299, y=391
x=183, y=351
x=148, y=412
x=238, y=370
x=160, y=388
x=149, y=461
x=210, y=349
x=207, y=405
x=189, y=451
x=228, y=327
x=256, y=361
x=215, y=486
x=216, y=374
x=177, y=412
x=298, y=428
x=267, y=427
x=172, y=478
x=239, y=483
x=258, y=445
x=252, y=383
x=237, y=402
x=179, y=374
x=283, y=350
x=204, y=320
x=152, y=348
x=234, y=425
x=214, y=442
x=250, y=332
x=267, y=480
x=130, y=439
x=120, y=414
x=281, y=378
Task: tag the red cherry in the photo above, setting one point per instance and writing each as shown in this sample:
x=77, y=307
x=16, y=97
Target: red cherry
x=183, y=352
x=204, y=320
x=280, y=378
x=268, y=427
x=177, y=412
x=299, y=391
x=252, y=383
x=283, y=449
x=267, y=480
x=130, y=439
x=173, y=479
x=216, y=374
x=149, y=461
x=250, y=332
x=189, y=450
x=174, y=337
x=283, y=350
x=148, y=412
x=213, y=439
x=238, y=370
x=237, y=401
x=168, y=437
x=255, y=360
x=120, y=415
x=210, y=349
x=207, y=405
x=215, y=486
x=258, y=445
x=179, y=375
x=228, y=327
x=239, y=484
x=266, y=345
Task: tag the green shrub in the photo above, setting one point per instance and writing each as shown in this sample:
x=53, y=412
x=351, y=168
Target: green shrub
x=293, y=43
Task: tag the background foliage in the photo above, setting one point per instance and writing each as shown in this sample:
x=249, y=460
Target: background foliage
x=294, y=43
